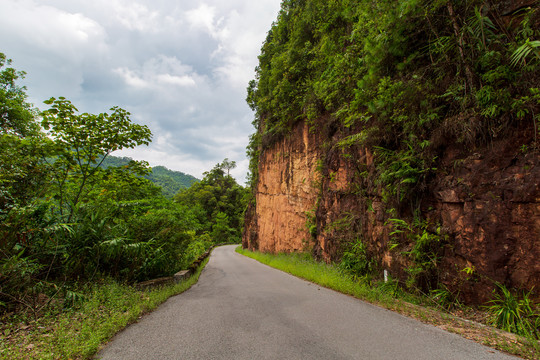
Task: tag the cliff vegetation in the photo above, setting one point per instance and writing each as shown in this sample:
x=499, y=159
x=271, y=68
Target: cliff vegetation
x=402, y=136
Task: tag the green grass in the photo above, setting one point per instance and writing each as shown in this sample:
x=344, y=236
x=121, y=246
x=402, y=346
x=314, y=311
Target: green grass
x=79, y=333
x=390, y=296
x=329, y=276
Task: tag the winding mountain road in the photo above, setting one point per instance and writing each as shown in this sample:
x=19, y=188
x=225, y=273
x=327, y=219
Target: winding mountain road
x=241, y=309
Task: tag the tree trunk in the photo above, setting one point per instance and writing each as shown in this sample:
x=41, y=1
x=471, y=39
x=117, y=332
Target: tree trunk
x=459, y=36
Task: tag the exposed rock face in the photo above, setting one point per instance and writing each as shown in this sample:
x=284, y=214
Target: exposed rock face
x=285, y=194
x=490, y=207
x=511, y=7
x=487, y=204
x=483, y=203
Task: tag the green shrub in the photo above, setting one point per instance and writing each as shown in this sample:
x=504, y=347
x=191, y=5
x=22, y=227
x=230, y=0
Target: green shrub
x=16, y=278
x=356, y=260
x=520, y=316
x=195, y=249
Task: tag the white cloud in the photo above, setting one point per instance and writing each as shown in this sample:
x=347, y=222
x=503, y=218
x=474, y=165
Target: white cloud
x=131, y=78
x=70, y=35
x=136, y=16
x=181, y=67
x=203, y=17
x=159, y=72
x=183, y=80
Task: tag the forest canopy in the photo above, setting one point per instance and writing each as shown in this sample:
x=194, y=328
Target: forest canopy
x=71, y=213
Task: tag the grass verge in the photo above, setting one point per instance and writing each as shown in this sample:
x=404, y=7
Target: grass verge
x=390, y=296
x=79, y=332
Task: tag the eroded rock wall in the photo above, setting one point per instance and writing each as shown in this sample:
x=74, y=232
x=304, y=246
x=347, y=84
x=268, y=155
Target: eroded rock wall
x=285, y=194
x=489, y=205
x=486, y=204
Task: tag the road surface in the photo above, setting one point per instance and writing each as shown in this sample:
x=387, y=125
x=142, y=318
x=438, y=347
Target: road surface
x=241, y=309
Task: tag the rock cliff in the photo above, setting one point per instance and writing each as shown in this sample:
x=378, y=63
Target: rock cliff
x=408, y=140
x=286, y=194
x=486, y=203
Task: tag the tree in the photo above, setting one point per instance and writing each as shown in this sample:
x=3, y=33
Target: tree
x=21, y=171
x=82, y=142
x=22, y=183
x=221, y=232
x=64, y=214
x=22, y=174
x=222, y=202
x=228, y=165
x=16, y=114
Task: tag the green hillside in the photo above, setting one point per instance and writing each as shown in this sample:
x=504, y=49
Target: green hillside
x=170, y=181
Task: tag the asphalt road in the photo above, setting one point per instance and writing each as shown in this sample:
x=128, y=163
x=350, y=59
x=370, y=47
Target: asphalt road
x=241, y=309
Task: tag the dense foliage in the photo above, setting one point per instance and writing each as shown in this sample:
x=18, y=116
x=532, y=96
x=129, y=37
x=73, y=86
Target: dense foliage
x=405, y=80
x=220, y=198
x=65, y=218
x=402, y=78
x=391, y=73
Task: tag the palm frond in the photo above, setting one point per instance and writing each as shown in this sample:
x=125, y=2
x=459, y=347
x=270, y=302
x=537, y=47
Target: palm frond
x=524, y=50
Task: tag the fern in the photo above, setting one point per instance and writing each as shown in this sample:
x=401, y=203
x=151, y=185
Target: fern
x=525, y=50
x=481, y=27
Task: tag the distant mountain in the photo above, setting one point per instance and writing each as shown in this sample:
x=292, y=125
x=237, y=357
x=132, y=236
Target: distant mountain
x=170, y=181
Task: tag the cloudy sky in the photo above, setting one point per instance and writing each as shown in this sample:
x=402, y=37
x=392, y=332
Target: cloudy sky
x=179, y=66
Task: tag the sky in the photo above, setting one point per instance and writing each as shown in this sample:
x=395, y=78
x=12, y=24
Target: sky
x=179, y=66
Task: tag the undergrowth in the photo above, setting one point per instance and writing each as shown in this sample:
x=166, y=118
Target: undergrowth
x=515, y=314
x=98, y=312
x=393, y=297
